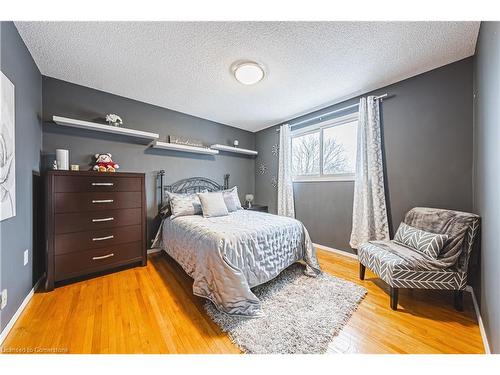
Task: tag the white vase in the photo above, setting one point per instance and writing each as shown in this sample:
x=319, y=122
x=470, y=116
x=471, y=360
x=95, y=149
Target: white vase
x=62, y=157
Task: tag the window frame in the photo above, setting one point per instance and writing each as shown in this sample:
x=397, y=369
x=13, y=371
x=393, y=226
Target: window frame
x=319, y=128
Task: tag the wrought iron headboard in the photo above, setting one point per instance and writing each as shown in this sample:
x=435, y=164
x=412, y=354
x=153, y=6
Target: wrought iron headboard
x=190, y=185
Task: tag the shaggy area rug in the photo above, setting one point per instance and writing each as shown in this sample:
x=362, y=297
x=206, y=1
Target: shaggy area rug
x=302, y=314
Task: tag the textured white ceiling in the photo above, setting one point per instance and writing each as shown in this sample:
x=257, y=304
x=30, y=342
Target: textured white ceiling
x=185, y=66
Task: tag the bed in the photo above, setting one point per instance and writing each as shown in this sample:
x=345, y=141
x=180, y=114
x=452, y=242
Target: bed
x=228, y=255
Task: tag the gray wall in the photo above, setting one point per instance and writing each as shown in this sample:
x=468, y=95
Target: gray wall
x=74, y=101
x=487, y=172
x=427, y=133
x=16, y=234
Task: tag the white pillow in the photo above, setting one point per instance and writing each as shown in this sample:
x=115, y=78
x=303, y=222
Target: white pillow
x=166, y=210
x=212, y=204
x=232, y=199
x=185, y=205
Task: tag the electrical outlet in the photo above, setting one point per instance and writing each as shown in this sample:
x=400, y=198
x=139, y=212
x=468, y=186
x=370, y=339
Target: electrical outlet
x=26, y=256
x=3, y=299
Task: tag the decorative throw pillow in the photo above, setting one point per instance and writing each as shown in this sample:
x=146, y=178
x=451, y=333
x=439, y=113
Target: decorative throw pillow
x=212, y=204
x=420, y=240
x=166, y=210
x=184, y=205
x=231, y=199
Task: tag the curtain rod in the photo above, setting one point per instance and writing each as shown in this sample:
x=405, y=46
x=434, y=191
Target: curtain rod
x=332, y=112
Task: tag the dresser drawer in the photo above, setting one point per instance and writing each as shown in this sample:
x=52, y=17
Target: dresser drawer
x=78, y=202
x=80, y=241
x=72, y=184
x=96, y=220
x=84, y=262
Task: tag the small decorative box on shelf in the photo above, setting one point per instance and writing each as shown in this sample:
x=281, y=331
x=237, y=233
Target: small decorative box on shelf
x=256, y=207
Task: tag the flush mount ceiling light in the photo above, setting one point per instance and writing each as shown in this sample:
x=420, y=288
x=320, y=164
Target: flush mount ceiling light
x=248, y=72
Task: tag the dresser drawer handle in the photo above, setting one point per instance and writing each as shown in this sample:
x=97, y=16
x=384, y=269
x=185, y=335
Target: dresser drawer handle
x=103, y=238
x=104, y=256
x=103, y=219
x=102, y=200
x=102, y=183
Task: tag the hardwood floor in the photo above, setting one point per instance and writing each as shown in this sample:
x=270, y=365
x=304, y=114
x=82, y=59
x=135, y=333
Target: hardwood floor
x=425, y=321
x=152, y=310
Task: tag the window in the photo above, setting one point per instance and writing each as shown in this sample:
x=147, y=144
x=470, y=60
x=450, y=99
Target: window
x=305, y=154
x=326, y=151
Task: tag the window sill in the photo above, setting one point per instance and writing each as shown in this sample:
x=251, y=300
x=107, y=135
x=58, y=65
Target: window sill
x=325, y=179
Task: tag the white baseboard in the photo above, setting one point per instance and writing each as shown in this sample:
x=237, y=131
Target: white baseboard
x=13, y=320
x=336, y=251
x=152, y=251
x=479, y=320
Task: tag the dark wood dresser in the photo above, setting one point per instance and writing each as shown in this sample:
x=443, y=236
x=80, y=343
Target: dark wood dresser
x=95, y=221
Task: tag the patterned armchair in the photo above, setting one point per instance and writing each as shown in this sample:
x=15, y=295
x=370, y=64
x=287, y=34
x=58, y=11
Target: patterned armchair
x=391, y=262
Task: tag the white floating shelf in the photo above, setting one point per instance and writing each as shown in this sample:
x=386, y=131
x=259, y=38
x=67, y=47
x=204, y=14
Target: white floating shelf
x=183, y=148
x=64, y=121
x=233, y=149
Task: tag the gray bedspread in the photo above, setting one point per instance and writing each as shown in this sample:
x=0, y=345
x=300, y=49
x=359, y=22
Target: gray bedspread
x=228, y=255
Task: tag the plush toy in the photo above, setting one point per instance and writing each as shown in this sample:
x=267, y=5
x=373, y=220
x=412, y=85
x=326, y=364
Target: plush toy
x=104, y=163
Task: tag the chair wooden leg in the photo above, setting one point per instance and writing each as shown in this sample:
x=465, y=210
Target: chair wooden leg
x=394, y=298
x=459, y=300
x=362, y=269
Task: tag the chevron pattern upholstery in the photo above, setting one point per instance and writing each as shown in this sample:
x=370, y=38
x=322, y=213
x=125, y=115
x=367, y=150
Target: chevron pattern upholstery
x=470, y=238
x=399, y=273
x=425, y=242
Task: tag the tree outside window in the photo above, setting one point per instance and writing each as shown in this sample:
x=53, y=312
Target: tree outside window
x=328, y=151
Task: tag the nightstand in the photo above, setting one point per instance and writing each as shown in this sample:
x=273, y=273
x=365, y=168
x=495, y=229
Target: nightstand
x=256, y=207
